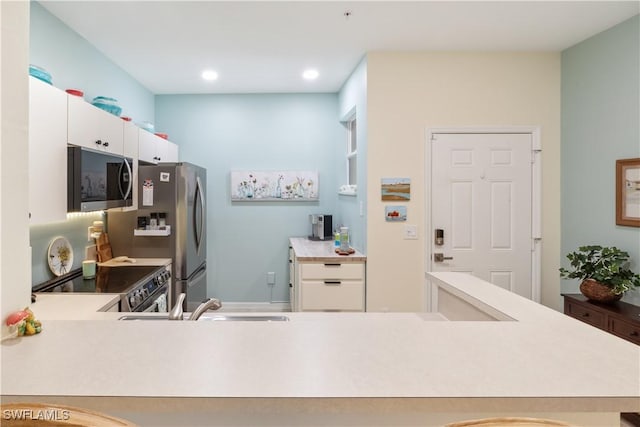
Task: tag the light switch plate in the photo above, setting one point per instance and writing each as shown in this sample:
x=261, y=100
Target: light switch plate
x=410, y=232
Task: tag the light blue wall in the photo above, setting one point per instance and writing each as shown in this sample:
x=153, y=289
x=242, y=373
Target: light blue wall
x=261, y=132
x=600, y=124
x=76, y=64
x=353, y=97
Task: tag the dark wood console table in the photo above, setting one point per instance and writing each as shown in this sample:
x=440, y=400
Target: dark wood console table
x=619, y=318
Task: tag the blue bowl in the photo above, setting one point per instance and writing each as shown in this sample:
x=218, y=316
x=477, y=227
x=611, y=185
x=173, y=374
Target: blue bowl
x=40, y=73
x=109, y=108
x=105, y=100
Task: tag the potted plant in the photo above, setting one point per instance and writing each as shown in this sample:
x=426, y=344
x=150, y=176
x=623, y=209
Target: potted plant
x=604, y=272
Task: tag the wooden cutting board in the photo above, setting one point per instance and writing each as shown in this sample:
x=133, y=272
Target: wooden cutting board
x=103, y=248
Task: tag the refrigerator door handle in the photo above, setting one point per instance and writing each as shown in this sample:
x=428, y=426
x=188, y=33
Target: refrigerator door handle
x=197, y=276
x=199, y=227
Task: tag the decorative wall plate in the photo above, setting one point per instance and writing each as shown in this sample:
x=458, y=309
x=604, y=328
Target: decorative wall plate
x=60, y=256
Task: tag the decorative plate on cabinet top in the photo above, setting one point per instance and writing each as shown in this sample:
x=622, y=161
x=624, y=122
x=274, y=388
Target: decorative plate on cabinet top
x=60, y=256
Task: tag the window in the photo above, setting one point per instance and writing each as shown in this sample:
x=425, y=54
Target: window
x=352, y=151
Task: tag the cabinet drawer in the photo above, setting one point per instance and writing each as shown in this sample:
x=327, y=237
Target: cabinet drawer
x=319, y=271
x=625, y=330
x=332, y=295
x=587, y=315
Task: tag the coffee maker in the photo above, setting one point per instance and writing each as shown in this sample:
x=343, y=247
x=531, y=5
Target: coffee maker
x=321, y=227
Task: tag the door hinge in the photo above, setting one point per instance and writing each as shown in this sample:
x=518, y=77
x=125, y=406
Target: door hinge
x=534, y=155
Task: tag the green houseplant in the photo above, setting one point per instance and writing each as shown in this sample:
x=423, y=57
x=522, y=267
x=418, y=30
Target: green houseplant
x=604, y=272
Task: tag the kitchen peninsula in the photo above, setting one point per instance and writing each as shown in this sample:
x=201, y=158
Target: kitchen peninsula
x=335, y=368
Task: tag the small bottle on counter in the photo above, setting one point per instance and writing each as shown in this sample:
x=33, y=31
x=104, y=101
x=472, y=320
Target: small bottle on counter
x=336, y=239
x=153, y=222
x=344, y=239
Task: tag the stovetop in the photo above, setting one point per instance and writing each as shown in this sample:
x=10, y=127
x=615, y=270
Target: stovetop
x=112, y=280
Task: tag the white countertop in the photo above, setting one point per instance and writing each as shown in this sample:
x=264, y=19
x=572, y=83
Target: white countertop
x=316, y=250
x=73, y=306
x=542, y=354
x=114, y=262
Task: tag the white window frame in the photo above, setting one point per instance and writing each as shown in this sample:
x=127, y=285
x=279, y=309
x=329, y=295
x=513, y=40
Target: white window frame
x=350, y=124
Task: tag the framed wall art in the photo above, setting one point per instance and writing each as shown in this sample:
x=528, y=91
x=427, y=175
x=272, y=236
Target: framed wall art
x=628, y=192
x=286, y=186
x=395, y=213
x=396, y=189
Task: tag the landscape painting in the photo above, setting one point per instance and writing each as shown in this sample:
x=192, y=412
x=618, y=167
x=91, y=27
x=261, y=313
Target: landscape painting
x=396, y=189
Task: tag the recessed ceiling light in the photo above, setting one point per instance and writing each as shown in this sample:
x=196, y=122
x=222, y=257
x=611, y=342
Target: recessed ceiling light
x=310, y=74
x=209, y=75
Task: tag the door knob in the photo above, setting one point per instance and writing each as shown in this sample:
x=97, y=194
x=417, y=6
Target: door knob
x=439, y=257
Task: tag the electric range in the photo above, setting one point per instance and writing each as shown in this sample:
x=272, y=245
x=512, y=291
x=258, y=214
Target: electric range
x=139, y=287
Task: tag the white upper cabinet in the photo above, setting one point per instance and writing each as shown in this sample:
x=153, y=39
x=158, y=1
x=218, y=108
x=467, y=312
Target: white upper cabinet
x=130, y=140
x=94, y=128
x=47, y=153
x=153, y=149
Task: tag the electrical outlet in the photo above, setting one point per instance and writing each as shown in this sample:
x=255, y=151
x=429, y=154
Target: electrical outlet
x=410, y=232
x=271, y=278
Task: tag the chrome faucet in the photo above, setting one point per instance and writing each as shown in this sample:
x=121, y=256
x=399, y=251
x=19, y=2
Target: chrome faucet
x=176, y=311
x=208, y=304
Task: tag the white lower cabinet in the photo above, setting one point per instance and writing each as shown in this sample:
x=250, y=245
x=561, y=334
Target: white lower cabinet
x=331, y=286
x=47, y=153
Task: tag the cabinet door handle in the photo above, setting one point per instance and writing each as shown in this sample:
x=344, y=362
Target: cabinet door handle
x=333, y=265
x=634, y=334
x=585, y=314
x=99, y=142
x=332, y=282
x=106, y=144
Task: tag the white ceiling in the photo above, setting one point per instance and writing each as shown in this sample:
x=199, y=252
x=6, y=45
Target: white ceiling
x=264, y=46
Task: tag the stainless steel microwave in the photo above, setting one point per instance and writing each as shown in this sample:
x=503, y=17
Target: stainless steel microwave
x=97, y=181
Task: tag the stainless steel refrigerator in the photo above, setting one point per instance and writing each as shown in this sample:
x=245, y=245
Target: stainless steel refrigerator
x=177, y=190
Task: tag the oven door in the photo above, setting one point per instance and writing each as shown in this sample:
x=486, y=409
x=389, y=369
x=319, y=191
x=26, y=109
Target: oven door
x=157, y=303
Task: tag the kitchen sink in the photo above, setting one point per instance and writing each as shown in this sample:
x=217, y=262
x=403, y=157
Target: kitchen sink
x=243, y=318
x=214, y=318
x=138, y=317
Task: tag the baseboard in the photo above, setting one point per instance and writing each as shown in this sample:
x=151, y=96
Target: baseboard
x=255, y=306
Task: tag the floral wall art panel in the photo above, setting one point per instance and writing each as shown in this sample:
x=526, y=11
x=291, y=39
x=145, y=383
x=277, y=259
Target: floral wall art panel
x=274, y=186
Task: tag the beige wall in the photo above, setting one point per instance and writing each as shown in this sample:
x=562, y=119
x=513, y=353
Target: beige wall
x=410, y=92
x=15, y=254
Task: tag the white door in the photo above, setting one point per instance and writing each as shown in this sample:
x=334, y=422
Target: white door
x=481, y=199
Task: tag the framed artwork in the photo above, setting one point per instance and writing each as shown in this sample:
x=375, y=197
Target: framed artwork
x=285, y=186
x=628, y=192
x=396, y=189
x=395, y=213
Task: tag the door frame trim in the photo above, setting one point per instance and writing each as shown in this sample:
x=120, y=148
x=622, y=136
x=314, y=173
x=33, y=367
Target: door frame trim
x=430, y=297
